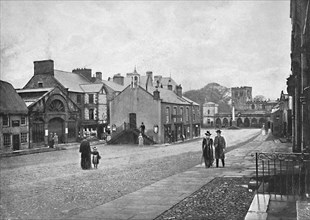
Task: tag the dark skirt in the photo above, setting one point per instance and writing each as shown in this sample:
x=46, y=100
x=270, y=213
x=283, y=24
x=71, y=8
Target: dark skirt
x=86, y=161
x=208, y=156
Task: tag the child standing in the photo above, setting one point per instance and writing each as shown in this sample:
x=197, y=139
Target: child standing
x=96, y=157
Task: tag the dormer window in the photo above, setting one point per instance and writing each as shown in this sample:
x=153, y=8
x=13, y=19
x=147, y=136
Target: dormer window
x=40, y=84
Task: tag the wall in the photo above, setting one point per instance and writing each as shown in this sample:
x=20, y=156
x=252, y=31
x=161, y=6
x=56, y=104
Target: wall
x=136, y=100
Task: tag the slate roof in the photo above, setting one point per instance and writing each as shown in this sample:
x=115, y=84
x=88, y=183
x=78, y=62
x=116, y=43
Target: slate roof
x=88, y=88
x=31, y=96
x=169, y=96
x=70, y=80
x=114, y=86
x=10, y=101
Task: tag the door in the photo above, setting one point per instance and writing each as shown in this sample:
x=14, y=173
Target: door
x=132, y=120
x=56, y=125
x=16, y=142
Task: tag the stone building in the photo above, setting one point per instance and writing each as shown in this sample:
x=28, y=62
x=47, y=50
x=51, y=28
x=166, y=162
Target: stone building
x=281, y=117
x=14, y=123
x=167, y=114
x=248, y=112
x=210, y=109
x=298, y=83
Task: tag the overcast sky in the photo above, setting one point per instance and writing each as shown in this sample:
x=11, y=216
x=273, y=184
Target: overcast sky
x=233, y=43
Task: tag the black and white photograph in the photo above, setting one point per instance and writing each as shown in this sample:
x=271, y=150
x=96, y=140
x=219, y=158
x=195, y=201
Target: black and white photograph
x=155, y=110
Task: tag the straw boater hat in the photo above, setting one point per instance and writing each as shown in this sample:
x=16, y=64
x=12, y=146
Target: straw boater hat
x=208, y=133
x=218, y=131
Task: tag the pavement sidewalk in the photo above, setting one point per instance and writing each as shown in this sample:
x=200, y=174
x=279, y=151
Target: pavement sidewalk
x=150, y=201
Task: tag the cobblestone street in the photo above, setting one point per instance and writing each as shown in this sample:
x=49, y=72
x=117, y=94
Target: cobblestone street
x=52, y=185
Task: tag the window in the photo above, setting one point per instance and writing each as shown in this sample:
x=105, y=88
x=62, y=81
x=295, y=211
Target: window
x=6, y=139
x=23, y=120
x=91, y=114
x=79, y=98
x=253, y=106
x=174, y=114
x=91, y=98
x=167, y=115
x=15, y=123
x=40, y=84
x=187, y=114
x=208, y=111
x=5, y=120
x=23, y=138
x=181, y=113
x=208, y=120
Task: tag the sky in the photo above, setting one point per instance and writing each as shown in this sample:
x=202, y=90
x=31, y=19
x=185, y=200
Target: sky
x=233, y=43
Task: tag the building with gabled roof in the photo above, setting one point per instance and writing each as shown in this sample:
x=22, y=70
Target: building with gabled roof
x=14, y=124
x=166, y=114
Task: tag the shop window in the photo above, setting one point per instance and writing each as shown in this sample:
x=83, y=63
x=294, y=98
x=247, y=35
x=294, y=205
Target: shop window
x=23, y=138
x=6, y=139
x=5, y=121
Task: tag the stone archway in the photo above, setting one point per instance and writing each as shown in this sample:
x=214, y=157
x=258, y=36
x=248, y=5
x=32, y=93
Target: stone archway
x=56, y=125
x=246, y=122
x=261, y=122
x=254, y=122
x=239, y=122
x=225, y=122
x=218, y=123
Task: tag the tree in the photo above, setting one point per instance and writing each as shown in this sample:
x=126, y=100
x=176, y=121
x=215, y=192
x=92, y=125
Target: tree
x=259, y=98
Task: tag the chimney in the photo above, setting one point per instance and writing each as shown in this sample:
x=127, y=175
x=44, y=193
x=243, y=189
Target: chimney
x=156, y=95
x=84, y=72
x=179, y=90
x=117, y=78
x=99, y=75
x=44, y=67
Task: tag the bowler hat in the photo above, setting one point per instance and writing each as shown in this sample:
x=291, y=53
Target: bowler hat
x=218, y=131
x=208, y=133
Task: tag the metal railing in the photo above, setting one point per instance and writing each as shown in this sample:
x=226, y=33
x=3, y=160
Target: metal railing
x=283, y=173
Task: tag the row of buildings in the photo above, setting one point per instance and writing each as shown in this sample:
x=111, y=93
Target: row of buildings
x=73, y=104
x=245, y=111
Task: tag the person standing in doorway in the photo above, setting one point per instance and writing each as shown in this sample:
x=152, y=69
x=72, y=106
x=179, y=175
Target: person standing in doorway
x=85, y=154
x=142, y=128
x=207, y=149
x=220, y=146
x=55, y=138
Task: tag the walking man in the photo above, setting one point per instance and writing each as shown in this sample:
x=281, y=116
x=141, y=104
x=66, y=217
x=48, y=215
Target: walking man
x=220, y=146
x=142, y=128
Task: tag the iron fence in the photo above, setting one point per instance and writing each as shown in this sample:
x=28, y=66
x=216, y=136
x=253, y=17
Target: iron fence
x=283, y=173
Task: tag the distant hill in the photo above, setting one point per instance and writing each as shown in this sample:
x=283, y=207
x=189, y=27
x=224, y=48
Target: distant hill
x=212, y=92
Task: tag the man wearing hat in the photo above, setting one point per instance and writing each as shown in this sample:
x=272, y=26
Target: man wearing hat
x=207, y=150
x=220, y=145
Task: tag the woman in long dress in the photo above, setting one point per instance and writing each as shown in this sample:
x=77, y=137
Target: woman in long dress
x=207, y=149
x=85, y=154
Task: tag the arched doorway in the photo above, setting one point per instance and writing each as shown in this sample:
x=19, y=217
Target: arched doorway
x=56, y=125
x=225, y=122
x=246, y=122
x=261, y=122
x=254, y=122
x=218, y=123
x=239, y=122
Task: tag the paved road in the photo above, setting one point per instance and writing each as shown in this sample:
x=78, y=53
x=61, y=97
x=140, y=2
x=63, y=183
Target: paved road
x=52, y=185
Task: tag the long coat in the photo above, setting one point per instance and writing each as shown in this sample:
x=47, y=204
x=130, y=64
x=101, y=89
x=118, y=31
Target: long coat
x=219, y=145
x=207, y=151
x=85, y=154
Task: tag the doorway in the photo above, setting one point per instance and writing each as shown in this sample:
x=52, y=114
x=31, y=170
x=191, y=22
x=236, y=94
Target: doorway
x=16, y=142
x=56, y=125
x=132, y=120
